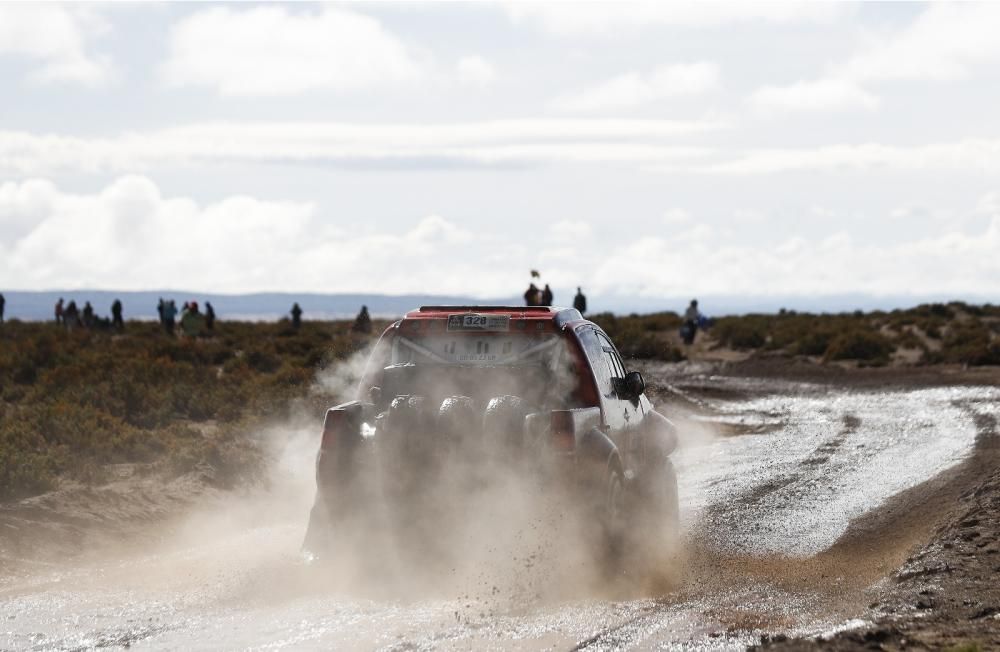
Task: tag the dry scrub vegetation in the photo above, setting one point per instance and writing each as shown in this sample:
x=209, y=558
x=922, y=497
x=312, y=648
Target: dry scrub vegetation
x=954, y=333
x=73, y=403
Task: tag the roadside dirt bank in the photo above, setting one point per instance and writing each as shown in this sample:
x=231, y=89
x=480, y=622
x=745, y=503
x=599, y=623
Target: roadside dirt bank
x=79, y=522
x=852, y=375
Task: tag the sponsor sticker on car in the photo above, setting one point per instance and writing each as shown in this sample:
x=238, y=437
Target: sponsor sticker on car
x=473, y=322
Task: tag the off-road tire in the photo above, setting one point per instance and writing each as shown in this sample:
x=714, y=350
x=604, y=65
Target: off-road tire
x=455, y=418
x=503, y=423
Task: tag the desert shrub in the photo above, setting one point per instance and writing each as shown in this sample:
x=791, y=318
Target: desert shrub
x=648, y=347
x=971, y=343
x=861, y=345
x=815, y=342
x=643, y=337
x=934, y=310
x=749, y=332
x=86, y=399
x=909, y=340
x=263, y=360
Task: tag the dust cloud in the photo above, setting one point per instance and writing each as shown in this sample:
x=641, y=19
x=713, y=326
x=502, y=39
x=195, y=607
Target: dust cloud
x=444, y=513
x=463, y=502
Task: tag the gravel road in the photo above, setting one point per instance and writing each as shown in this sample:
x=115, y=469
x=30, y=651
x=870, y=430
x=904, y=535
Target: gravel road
x=772, y=475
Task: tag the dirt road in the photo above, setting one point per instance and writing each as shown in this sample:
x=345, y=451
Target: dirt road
x=783, y=485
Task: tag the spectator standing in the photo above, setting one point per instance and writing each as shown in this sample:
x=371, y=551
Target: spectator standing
x=580, y=301
x=88, y=315
x=691, y=319
x=192, y=321
x=363, y=322
x=296, y=316
x=532, y=296
x=169, y=316
x=71, y=316
x=547, y=296
x=59, y=311
x=209, y=317
x=3, y=304
x=116, y=315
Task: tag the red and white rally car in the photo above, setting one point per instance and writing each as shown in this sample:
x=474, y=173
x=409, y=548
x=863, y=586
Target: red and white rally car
x=537, y=389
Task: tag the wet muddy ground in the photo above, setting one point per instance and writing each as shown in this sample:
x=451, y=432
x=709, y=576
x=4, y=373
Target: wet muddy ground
x=800, y=499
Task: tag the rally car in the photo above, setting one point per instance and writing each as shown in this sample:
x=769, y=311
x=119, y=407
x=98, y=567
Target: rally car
x=537, y=389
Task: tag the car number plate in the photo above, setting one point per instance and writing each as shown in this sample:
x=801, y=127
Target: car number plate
x=479, y=322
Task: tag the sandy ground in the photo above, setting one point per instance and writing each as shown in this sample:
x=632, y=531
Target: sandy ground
x=820, y=507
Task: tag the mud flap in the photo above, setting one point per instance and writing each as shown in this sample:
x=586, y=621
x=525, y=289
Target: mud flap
x=319, y=532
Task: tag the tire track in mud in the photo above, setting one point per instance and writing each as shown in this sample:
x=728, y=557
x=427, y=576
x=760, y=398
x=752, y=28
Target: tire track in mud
x=730, y=516
x=626, y=633
x=938, y=547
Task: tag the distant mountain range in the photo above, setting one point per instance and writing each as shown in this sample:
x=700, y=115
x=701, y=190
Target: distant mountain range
x=269, y=306
x=264, y=306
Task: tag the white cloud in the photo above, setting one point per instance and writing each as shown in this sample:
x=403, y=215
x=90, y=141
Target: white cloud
x=971, y=156
x=570, y=231
x=633, y=89
x=989, y=204
x=646, y=144
x=130, y=236
x=676, y=217
x=944, y=42
x=821, y=95
x=56, y=36
x=502, y=142
x=475, y=70
x=274, y=50
x=610, y=18
x=949, y=262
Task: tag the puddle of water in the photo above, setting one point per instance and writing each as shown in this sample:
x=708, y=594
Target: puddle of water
x=795, y=489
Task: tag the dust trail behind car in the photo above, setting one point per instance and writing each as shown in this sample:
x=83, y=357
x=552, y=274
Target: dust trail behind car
x=480, y=433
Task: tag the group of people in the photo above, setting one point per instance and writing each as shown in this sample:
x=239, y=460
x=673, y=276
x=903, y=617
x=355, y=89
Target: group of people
x=693, y=319
x=193, y=322
x=71, y=316
x=536, y=297
x=362, y=323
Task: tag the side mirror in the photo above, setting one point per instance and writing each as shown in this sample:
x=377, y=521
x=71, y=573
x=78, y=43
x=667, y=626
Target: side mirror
x=634, y=384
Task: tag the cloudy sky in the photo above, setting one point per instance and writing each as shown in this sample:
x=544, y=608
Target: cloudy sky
x=642, y=151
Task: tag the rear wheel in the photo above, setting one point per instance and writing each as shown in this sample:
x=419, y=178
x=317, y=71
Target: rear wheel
x=455, y=419
x=503, y=423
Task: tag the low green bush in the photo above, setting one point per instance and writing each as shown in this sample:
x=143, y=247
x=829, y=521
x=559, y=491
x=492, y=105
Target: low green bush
x=859, y=345
x=971, y=343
